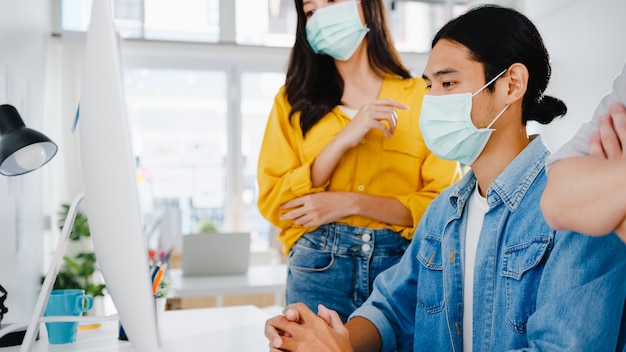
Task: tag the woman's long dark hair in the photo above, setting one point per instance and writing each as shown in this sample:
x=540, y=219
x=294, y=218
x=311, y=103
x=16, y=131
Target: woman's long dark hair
x=313, y=84
x=498, y=37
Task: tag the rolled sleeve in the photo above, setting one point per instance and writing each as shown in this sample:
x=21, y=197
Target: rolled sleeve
x=300, y=181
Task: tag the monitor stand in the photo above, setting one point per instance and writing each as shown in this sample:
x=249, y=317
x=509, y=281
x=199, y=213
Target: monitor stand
x=33, y=327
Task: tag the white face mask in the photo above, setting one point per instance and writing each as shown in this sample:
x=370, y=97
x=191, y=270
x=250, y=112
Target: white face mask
x=336, y=30
x=447, y=126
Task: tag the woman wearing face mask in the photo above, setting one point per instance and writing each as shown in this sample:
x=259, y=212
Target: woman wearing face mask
x=484, y=271
x=343, y=169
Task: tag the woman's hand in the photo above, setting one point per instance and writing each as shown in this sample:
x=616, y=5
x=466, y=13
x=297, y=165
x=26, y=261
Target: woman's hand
x=609, y=141
x=317, y=209
x=371, y=116
x=322, y=208
x=379, y=114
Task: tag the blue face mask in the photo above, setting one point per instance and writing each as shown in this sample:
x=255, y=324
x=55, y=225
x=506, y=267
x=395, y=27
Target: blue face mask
x=448, y=129
x=336, y=30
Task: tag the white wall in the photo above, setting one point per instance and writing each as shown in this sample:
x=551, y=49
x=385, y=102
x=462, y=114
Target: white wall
x=587, y=43
x=24, y=31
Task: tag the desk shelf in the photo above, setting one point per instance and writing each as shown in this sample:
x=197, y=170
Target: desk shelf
x=260, y=279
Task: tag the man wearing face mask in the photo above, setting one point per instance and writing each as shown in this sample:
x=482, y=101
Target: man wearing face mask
x=484, y=271
x=343, y=170
x=448, y=128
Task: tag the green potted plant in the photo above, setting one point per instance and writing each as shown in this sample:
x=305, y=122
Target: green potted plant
x=78, y=268
x=207, y=226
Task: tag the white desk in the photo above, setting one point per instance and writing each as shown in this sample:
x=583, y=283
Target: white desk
x=259, y=279
x=236, y=329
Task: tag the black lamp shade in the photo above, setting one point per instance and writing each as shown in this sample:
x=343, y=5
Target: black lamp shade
x=21, y=149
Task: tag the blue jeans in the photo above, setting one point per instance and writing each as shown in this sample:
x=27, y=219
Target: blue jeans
x=336, y=264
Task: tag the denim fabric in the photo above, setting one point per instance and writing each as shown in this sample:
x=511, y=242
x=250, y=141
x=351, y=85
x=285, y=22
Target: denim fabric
x=335, y=265
x=535, y=289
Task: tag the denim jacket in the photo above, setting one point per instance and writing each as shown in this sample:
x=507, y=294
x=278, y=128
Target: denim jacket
x=535, y=289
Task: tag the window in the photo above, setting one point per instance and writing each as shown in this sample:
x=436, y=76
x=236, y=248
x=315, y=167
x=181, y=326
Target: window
x=413, y=24
x=266, y=22
x=256, y=22
x=182, y=134
x=190, y=20
x=183, y=20
x=257, y=96
x=75, y=14
x=179, y=130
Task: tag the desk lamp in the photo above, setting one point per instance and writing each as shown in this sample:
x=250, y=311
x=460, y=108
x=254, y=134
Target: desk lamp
x=22, y=149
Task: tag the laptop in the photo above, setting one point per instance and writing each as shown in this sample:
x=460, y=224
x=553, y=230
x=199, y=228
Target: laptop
x=216, y=254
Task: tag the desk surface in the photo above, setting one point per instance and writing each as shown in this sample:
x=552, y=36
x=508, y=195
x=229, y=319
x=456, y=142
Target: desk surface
x=226, y=329
x=259, y=279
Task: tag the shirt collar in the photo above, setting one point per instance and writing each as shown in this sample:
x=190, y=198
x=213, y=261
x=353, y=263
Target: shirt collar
x=511, y=185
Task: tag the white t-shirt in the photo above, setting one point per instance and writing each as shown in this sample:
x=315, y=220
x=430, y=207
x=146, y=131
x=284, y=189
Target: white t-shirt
x=348, y=111
x=477, y=208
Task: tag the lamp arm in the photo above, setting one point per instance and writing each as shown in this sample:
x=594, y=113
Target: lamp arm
x=53, y=271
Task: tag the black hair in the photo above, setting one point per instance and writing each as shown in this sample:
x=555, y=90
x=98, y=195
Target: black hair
x=498, y=37
x=313, y=84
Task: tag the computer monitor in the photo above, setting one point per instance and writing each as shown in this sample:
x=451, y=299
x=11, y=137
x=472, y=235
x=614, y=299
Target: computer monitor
x=110, y=192
x=111, y=199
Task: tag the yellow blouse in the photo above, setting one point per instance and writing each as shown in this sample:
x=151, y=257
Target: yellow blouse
x=400, y=167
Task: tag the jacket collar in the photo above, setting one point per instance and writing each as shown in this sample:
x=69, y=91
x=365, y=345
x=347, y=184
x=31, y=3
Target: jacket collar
x=511, y=185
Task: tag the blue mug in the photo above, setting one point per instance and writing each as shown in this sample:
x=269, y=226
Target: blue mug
x=63, y=303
